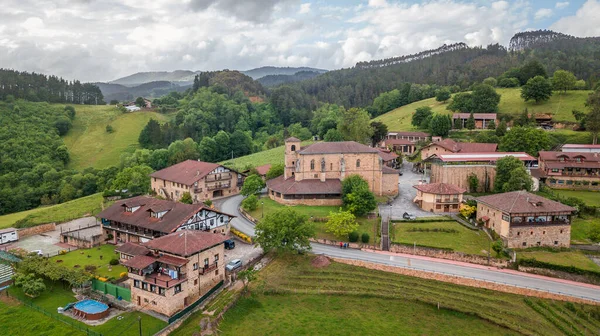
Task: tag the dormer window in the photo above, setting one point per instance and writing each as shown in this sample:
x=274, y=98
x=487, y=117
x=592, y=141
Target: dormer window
x=131, y=208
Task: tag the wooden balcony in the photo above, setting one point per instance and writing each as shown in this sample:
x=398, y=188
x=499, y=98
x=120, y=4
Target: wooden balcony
x=447, y=200
x=208, y=268
x=218, y=186
x=218, y=177
x=164, y=280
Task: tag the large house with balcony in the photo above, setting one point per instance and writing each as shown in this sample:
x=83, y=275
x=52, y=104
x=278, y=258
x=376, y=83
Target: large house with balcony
x=526, y=220
x=313, y=174
x=449, y=146
x=176, y=271
x=482, y=120
x=141, y=219
x=403, y=142
x=203, y=180
x=439, y=197
x=570, y=170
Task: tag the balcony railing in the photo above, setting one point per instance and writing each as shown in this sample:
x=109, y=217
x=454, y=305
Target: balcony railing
x=554, y=222
x=208, y=268
x=163, y=280
x=447, y=200
x=218, y=186
x=217, y=177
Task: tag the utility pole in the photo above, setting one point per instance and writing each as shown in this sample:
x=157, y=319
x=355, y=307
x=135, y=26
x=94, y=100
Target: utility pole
x=140, y=323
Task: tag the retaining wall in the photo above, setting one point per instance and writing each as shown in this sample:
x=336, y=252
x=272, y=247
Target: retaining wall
x=451, y=255
x=31, y=231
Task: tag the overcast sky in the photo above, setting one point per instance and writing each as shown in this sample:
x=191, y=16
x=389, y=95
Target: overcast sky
x=101, y=40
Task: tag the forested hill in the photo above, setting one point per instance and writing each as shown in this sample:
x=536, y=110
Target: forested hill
x=455, y=64
x=41, y=88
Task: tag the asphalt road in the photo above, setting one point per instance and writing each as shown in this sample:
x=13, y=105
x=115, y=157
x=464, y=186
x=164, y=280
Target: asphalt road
x=524, y=280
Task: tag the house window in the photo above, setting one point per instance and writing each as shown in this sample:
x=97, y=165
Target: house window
x=162, y=291
x=293, y=148
x=358, y=163
x=518, y=233
x=524, y=243
x=217, y=271
x=144, y=285
x=561, y=231
x=195, y=282
x=195, y=266
x=331, y=166
x=543, y=232
x=438, y=206
x=146, y=300
x=153, y=288
x=556, y=242
x=216, y=257
x=221, y=219
x=555, y=170
x=177, y=288
x=312, y=164
x=136, y=283
x=205, y=262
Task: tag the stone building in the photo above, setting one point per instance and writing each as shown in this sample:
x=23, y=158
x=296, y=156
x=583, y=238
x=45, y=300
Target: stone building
x=570, y=170
x=203, y=180
x=403, y=142
x=455, y=169
x=449, y=146
x=482, y=120
x=177, y=271
x=313, y=175
x=439, y=197
x=410, y=136
x=143, y=218
x=524, y=220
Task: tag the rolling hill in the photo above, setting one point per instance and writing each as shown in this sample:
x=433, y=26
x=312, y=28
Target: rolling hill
x=560, y=106
x=91, y=146
x=274, y=71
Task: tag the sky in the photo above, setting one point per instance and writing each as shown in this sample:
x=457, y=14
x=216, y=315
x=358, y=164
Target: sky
x=101, y=40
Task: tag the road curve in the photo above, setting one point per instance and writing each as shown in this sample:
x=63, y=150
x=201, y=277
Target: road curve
x=508, y=277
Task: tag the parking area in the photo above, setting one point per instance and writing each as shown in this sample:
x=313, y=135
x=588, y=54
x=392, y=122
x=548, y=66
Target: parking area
x=406, y=194
x=243, y=251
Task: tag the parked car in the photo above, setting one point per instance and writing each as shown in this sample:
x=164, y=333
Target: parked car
x=229, y=244
x=409, y=216
x=234, y=264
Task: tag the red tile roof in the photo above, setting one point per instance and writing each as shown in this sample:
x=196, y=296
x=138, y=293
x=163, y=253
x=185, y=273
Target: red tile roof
x=186, y=242
x=139, y=262
x=475, y=115
x=415, y=134
x=568, y=156
x=337, y=147
x=132, y=249
x=481, y=157
x=580, y=146
x=440, y=188
x=186, y=172
x=305, y=187
x=386, y=155
x=468, y=147
x=178, y=213
x=172, y=260
x=263, y=170
x=292, y=139
x=388, y=170
x=523, y=202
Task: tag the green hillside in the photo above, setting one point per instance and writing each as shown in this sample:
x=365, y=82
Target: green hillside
x=560, y=106
x=270, y=156
x=91, y=146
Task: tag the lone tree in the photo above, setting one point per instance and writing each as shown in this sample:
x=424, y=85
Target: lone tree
x=140, y=102
x=525, y=139
x=275, y=171
x=537, y=88
x=442, y=95
x=186, y=198
x=440, y=125
x=341, y=223
x=563, y=80
x=380, y=131
x=470, y=124
x=501, y=129
x=420, y=115
x=247, y=276
x=356, y=196
x=284, y=231
x=511, y=175
x=592, y=119
x=253, y=184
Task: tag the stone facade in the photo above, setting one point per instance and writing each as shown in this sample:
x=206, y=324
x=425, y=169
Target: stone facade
x=32, y=231
x=436, y=204
x=458, y=175
x=197, y=280
x=433, y=148
x=307, y=200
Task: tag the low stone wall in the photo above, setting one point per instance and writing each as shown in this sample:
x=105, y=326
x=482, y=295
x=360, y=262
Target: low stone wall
x=465, y=281
x=560, y=275
x=451, y=255
x=26, y=232
x=247, y=215
x=357, y=246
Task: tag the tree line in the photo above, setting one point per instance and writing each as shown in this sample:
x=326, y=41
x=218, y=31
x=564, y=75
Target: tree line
x=41, y=88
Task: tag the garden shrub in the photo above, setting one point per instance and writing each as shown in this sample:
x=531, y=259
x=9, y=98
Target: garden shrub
x=250, y=203
x=364, y=238
x=122, y=274
x=90, y=268
x=114, y=261
x=353, y=237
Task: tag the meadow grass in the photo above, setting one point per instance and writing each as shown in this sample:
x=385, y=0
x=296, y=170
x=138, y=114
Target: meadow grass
x=91, y=146
x=571, y=258
x=269, y=156
x=77, y=208
x=461, y=240
x=80, y=257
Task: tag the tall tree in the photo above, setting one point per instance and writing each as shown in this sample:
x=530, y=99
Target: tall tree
x=420, y=115
x=530, y=70
x=592, y=119
x=537, y=88
x=380, y=131
x=525, y=139
x=505, y=168
x=442, y=95
x=563, y=80
x=470, y=124
x=441, y=124
x=484, y=99
x=284, y=231
x=341, y=223
x=354, y=125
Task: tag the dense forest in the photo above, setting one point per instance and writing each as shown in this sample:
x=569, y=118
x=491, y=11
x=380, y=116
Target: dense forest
x=274, y=80
x=41, y=88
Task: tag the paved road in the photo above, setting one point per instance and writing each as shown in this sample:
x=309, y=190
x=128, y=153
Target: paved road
x=508, y=277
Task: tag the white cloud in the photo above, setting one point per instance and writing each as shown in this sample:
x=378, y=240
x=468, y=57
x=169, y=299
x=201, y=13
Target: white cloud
x=583, y=23
x=543, y=13
x=304, y=8
x=377, y=3
x=561, y=5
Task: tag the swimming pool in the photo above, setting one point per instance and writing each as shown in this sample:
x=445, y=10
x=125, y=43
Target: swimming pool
x=90, y=309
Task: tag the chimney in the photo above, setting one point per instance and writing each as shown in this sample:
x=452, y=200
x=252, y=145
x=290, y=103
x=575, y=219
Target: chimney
x=197, y=172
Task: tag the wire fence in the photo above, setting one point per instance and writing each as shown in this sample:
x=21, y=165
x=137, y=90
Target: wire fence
x=56, y=316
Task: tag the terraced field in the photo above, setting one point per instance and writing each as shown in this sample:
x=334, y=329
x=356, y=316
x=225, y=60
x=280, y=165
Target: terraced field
x=291, y=297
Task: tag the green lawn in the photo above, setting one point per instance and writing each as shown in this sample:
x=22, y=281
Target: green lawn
x=89, y=205
x=91, y=146
x=580, y=228
x=465, y=240
x=17, y=319
x=269, y=156
x=589, y=197
x=571, y=258
x=80, y=257
x=57, y=296
x=290, y=297
x=559, y=105
x=369, y=226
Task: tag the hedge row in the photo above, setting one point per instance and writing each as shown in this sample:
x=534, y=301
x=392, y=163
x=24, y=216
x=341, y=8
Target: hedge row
x=425, y=246
x=532, y=262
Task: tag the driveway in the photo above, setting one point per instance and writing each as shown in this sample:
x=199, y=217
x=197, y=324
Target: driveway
x=230, y=205
x=406, y=194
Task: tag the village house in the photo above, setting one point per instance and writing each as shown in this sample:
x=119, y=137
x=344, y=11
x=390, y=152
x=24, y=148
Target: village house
x=580, y=148
x=141, y=219
x=570, y=170
x=525, y=220
x=313, y=174
x=177, y=270
x=410, y=136
x=130, y=250
x=147, y=104
x=403, y=142
x=447, y=146
x=482, y=120
x=456, y=168
x=389, y=158
x=203, y=180
x=439, y=197
x=261, y=170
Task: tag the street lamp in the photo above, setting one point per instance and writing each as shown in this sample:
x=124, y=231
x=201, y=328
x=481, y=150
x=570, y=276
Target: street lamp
x=263, y=209
x=390, y=219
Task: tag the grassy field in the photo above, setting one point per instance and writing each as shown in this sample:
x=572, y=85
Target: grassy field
x=573, y=258
x=559, y=105
x=292, y=297
x=42, y=326
x=91, y=146
x=580, y=228
x=57, y=296
x=269, y=156
x=464, y=240
x=80, y=257
x=589, y=197
x=365, y=225
x=57, y=213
